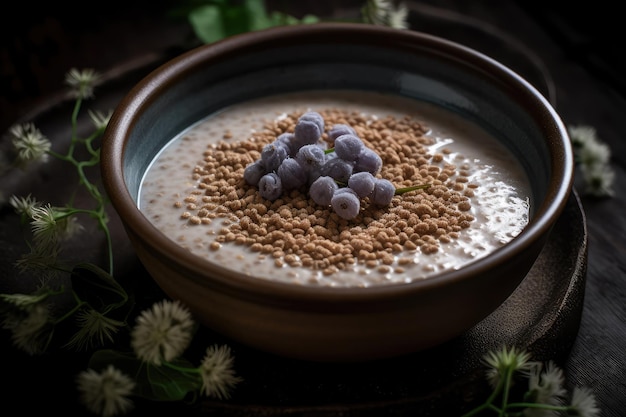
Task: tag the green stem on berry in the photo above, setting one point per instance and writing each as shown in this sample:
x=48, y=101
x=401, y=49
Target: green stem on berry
x=400, y=191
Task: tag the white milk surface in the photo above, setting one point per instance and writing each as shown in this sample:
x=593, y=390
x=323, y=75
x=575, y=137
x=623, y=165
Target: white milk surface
x=500, y=204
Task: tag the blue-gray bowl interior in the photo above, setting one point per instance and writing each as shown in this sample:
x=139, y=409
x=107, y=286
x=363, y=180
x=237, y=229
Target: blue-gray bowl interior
x=328, y=57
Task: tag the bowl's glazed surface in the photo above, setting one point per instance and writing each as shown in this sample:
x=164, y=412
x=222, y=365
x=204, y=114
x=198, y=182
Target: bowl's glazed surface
x=337, y=324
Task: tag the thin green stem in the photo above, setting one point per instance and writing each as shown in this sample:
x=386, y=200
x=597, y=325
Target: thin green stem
x=70, y=312
x=400, y=191
x=98, y=212
x=505, y=392
x=488, y=404
x=75, y=112
x=183, y=369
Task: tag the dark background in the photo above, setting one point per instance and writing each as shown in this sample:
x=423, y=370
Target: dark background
x=41, y=41
x=582, y=45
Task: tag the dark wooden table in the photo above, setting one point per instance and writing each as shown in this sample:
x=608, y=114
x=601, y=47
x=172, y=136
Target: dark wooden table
x=575, y=57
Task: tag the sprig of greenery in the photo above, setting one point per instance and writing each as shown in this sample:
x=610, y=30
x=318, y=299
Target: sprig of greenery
x=32, y=321
x=545, y=395
x=212, y=20
x=154, y=368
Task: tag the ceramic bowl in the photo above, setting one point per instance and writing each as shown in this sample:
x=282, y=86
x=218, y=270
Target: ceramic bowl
x=337, y=324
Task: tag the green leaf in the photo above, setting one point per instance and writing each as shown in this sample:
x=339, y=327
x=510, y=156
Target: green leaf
x=220, y=19
x=257, y=15
x=235, y=20
x=282, y=19
x=206, y=22
x=309, y=18
x=168, y=382
x=96, y=286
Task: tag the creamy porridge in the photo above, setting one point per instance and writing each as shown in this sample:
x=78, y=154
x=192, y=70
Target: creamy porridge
x=474, y=197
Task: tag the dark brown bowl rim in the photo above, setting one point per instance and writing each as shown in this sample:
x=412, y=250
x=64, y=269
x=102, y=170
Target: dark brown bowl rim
x=158, y=80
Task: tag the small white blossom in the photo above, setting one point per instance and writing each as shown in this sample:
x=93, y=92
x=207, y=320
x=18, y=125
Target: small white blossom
x=546, y=386
x=218, y=375
x=94, y=329
x=384, y=13
x=99, y=119
x=24, y=301
x=30, y=328
x=375, y=11
x=40, y=259
x=106, y=393
x=82, y=82
x=51, y=225
x=599, y=180
x=29, y=144
x=44, y=226
x=398, y=17
x=584, y=402
x=594, y=157
x=163, y=332
x=24, y=206
x=500, y=361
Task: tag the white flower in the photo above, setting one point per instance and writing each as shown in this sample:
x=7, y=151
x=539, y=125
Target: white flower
x=546, y=385
x=29, y=143
x=24, y=205
x=44, y=227
x=99, y=119
x=594, y=152
x=51, y=225
x=384, y=13
x=94, y=329
x=584, y=402
x=499, y=362
x=375, y=11
x=163, y=332
x=218, y=376
x=24, y=301
x=82, y=82
x=106, y=393
x=30, y=329
x=43, y=260
x=599, y=180
x=594, y=157
x=398, y=17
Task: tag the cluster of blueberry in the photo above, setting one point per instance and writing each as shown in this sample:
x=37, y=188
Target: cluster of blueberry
x=338, y=177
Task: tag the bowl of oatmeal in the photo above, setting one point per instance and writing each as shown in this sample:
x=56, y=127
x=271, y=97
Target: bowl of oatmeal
x=337, y=191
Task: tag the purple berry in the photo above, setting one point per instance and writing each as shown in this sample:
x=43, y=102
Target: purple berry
x=338, y=168
x=368, y=161
x=346, y=203
x=292, y=174
x=311, y=157
x=313, y=116
x=270, y=186
x=348, y=147
x=383, y=192
x=288, y=140
x=273, y=155
x=362, y=183
x=306, y=132
x=253, y=172
x=322, y=190
x=338, y=130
